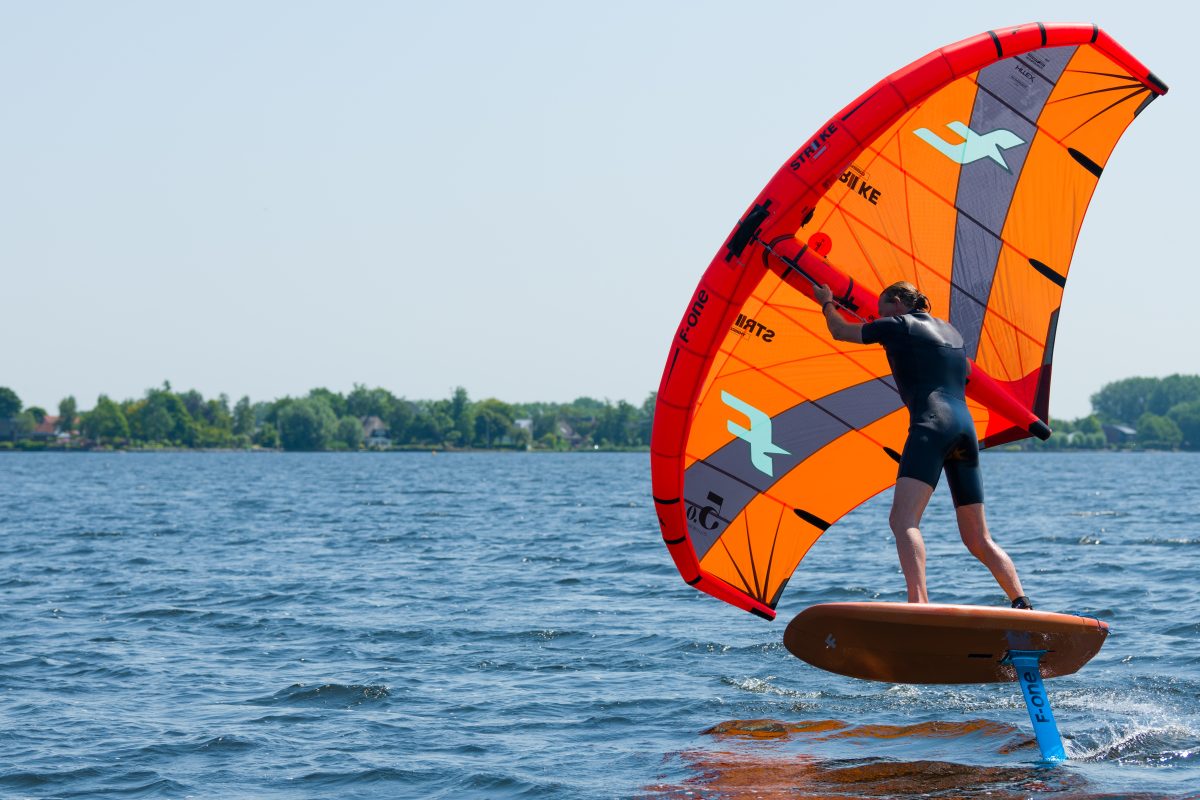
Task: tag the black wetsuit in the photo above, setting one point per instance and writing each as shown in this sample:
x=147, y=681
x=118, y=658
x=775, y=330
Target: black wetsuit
x=930, y=368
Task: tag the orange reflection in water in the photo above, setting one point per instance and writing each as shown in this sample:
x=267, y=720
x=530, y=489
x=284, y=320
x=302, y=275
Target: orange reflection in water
x=746, y=771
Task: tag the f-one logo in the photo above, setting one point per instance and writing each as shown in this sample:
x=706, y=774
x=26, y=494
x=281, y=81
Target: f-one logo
x=693, y=317
x=1036, y=698
x=758, y=435
x=974, y=146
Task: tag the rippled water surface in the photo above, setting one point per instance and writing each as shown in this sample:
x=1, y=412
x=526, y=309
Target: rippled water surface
x=510, y=625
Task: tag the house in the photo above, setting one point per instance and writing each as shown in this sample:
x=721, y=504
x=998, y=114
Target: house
x=567, y=432
x=375, y=433
x=44, y=431
x=47, y=430
x=1119, y=434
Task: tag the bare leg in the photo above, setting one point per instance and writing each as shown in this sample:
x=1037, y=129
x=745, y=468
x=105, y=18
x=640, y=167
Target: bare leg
x=973, y=527
x=908, y=504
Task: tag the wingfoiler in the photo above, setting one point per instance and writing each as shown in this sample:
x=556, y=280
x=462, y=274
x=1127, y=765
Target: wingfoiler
x=966, y=173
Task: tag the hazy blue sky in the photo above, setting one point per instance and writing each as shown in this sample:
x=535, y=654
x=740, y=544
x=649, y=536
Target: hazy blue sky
x=263, y=197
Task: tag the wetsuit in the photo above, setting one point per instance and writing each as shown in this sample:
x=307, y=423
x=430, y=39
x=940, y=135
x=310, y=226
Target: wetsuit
x=930, y=367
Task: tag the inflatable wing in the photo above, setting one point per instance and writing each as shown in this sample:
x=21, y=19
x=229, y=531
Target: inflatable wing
x=968, y=173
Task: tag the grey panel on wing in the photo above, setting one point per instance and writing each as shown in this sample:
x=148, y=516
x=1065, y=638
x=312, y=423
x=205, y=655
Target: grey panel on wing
x=1048, y=64
x=800, y=430
x=702, y=481
x=1011, y=96
x=976, y=251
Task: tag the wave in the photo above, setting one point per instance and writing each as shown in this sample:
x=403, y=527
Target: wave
x=766, y=686
x=207, y=746
x=326, y=695
x=1162, y=744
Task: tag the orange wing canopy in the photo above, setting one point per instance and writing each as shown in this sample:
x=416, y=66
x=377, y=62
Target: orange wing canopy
x=967, y=173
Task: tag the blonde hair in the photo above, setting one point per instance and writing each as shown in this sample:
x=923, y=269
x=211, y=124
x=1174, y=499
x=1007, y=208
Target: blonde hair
x=907, y=294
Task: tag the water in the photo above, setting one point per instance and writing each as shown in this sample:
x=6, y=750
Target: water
x=510, y=625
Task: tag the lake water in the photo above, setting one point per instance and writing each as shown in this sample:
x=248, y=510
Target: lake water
x=511, y=626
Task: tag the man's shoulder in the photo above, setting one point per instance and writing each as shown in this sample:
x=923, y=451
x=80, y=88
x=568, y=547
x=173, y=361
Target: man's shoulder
x=938, y=329
x=884, y=330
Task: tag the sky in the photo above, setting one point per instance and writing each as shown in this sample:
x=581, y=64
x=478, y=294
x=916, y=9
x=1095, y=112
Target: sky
x=258, y=198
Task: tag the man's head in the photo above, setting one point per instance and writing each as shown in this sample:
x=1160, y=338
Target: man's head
x=901, y=298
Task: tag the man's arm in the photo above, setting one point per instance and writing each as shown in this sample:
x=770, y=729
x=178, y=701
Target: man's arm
x=841, y=330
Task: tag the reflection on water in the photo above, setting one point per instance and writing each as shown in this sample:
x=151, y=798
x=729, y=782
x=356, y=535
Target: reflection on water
x=756, y=764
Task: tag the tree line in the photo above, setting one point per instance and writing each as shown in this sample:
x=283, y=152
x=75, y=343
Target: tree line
x=1163, y=412
x=328, y=420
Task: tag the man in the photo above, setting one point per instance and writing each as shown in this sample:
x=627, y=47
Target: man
x=930, y=367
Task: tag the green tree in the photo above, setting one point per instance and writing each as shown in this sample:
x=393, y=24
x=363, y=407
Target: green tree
x=1060, y=426
x=10, y=404
x=1187, y=417
x=105, y=422
x=614, y=424
x=1125, y=400
x=645, y=421
x=215, y=428
x=1158, y=432
x=586, y=404
x=38, y=413
x=462, y=416
x=349, y=432
x=193, y=401
x=399, y=421
x=216, y=413
x=335, y=402
x=163, y=417
x=243, y=418
x=67, y=411
x=1171, y=391
x=267, y=436
x=23, y=424
x=269, y=412
x=493, y=422
x=307, y=424
x=152, y=422
x=431, y=424
x=363, y=402
x=545, y=423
